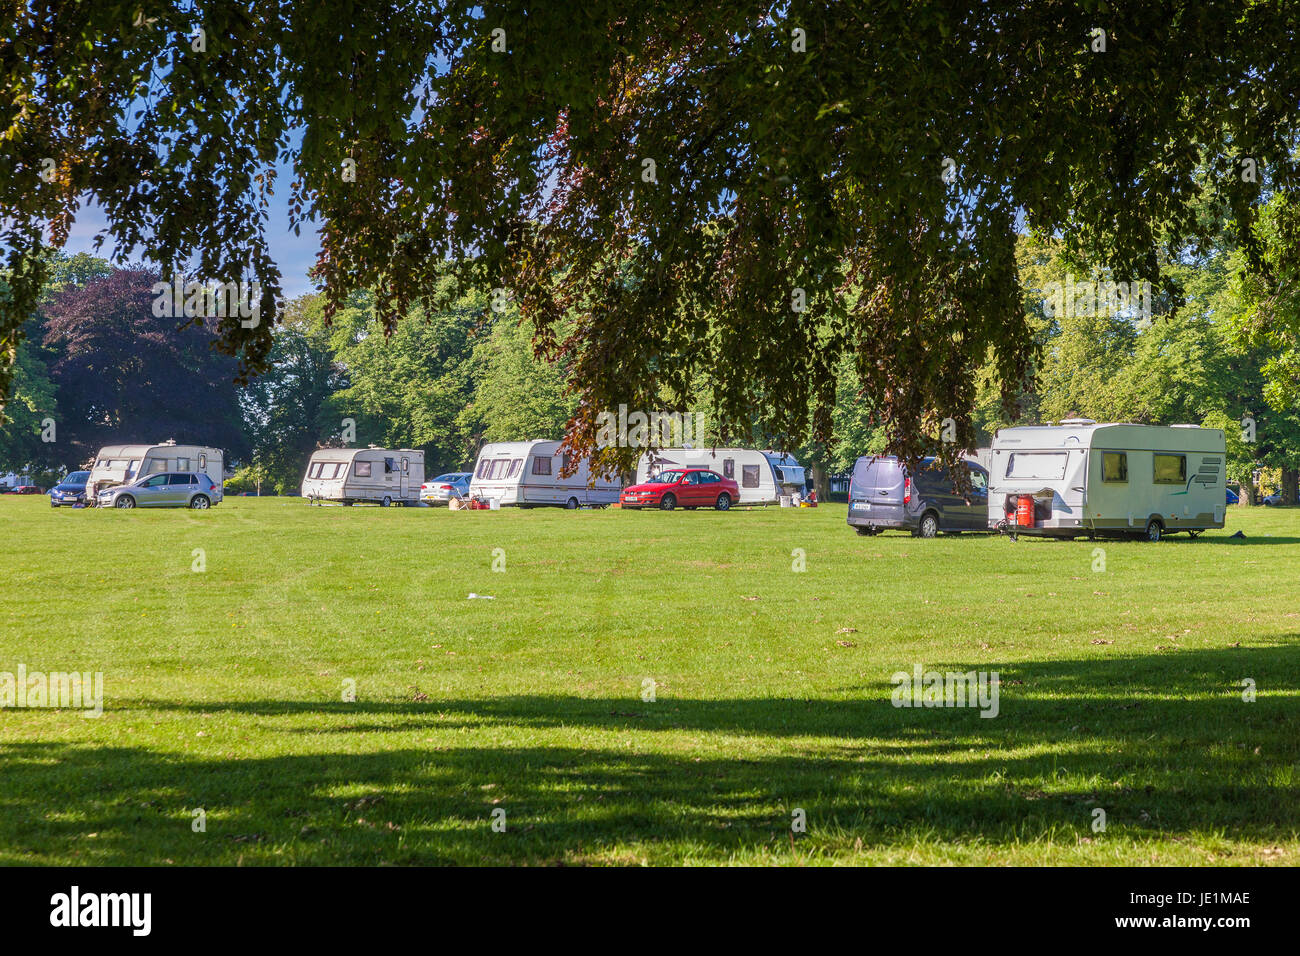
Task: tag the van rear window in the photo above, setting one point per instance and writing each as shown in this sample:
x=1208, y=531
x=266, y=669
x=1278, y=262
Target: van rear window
x=1045, y=465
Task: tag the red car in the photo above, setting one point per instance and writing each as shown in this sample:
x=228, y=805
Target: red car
x=685, y=487
x=26, y=490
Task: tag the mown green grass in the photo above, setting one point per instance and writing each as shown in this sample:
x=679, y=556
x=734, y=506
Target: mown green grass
x=1120, y=689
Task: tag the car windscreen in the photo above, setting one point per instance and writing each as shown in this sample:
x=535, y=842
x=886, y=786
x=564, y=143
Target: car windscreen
x=1037, y=465
x=666, y=478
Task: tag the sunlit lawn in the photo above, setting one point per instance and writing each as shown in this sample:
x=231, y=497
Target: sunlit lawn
x=1120, y=689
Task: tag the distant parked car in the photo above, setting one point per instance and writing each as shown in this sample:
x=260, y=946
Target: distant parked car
x=440, y=490
x=71, y=490
x=164, y=490
x=27, y=490
x=1274, y=499
x=1233, y=498
x=687, y=487
x=884, y=495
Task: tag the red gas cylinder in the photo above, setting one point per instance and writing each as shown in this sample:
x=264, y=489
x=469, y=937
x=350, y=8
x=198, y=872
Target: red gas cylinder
x=1025, y=511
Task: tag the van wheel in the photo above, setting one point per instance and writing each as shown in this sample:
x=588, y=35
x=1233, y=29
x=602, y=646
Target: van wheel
x=200, y=502
x=1154, y=530
x=386, y=503
x=724, y=502
x=667, y=503
x=124, y=501
x=929, y=525
x=571, y=504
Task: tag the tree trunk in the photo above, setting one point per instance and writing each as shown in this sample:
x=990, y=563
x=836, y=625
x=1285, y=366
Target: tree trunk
x=1248, y=493
x=1290, y=480
x=821, y=483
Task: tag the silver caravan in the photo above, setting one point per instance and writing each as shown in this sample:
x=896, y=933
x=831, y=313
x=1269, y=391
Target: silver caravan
x=1084, y=478
x=762, y=476
x=527, y=473
x=382, y=476
x=117, y=464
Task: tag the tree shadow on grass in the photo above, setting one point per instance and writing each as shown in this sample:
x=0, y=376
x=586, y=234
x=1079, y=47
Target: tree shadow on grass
x=1164, y=743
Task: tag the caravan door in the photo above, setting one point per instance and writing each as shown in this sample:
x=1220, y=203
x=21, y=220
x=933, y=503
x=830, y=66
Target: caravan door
x=406, y=477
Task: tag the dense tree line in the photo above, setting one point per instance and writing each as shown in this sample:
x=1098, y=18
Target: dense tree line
x=97, y=363
x=1198, y=348
x=737, y=198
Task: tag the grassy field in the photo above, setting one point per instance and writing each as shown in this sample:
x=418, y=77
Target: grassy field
x=1120, y=689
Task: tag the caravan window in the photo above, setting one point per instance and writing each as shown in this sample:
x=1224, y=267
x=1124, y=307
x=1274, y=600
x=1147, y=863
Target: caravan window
x=1170, y=469
x=361, y=469
x=499, y=468
x=338, y=469
x=482, y=468
x=203, y=462
x=749, y=476
x=514, y=467
x=155, y=465
x=729, y=468
x=1044, y=465
x=568, y=460
x=541, y=466
x=313, y=470
x=1114, y=466
x=182, y=464
x=390, y=466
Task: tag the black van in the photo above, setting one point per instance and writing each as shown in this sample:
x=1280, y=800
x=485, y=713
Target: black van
x=883, y=495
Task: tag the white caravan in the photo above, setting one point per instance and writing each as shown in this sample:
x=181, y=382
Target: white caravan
x=382, y=476
x=1084, y=478
x=527, y=473
x=762, y=476
x=117, y=464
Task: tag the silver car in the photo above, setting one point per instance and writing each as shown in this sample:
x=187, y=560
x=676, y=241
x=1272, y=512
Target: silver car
x=440, y=490
x=163, y=490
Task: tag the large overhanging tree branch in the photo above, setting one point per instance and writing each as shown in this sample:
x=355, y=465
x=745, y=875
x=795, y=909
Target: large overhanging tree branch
x=742, y=191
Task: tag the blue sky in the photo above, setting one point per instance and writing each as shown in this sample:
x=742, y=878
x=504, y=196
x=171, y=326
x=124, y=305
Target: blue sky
x=294, y=254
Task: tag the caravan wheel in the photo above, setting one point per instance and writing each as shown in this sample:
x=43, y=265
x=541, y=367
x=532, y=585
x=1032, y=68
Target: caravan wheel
x=387, y=502
x=1154, y=530
x=571, y=504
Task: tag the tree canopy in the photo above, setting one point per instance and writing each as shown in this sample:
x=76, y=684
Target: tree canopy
x=752, y=191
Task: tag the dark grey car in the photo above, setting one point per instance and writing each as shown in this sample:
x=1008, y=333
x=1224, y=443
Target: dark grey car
x=884, y=495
